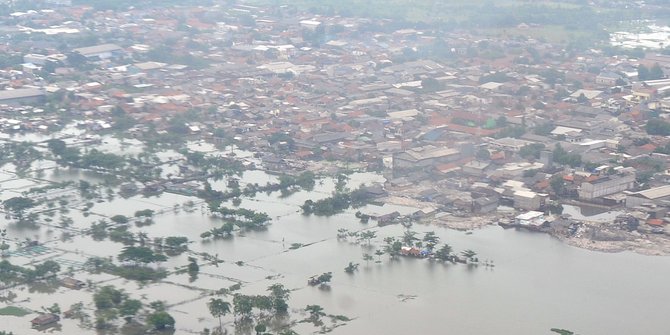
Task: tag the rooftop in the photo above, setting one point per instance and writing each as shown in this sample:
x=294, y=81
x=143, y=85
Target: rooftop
x=20, y=93
x=656, y=192
x=96, y=49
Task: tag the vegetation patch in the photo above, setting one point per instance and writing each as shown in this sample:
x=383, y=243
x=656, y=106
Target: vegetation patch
x=13, y=311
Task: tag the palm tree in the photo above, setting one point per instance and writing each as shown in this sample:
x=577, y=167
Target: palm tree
x=351, y=268
x=431, y=240
x=367, y=258
x=218, y=308
x=379, y=254
x=368, y=235
x=315, y=312
x=444, y=253
x=409, y=237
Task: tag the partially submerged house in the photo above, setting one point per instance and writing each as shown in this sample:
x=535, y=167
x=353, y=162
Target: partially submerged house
x=44, y=320
x=72, y=283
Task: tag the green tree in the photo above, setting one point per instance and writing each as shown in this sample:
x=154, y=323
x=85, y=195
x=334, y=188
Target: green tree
x=218, y=308
x=379, y=254
x=129, y=309
x=54, y=309
x=18, y=205
x=368, y=235
x=409, y=237
x=557, y=185
x=57, y=146
x=483, y=155
x=3, y=245
x=260, y=328
x=315, y=312
x=108, y=297
x=325, y=278
x=444, y=253
x=367, y=258
x=351, y=268
x=656, y=72
x=431, y=240
x=469, y=255
x=161, y=320
x=140, y=255
x=642, y=72
x=242, y=305
x=121, y=219
x=658, y=127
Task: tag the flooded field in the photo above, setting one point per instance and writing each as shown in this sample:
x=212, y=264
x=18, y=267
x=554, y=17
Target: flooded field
x=653, y=37
x=538, y=282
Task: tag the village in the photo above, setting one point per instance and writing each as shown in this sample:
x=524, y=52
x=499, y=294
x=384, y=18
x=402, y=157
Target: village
x=205, y=108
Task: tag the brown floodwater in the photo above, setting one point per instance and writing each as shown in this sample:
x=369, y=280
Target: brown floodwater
x=538, y=282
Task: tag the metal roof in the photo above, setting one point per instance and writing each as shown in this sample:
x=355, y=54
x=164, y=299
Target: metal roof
x=656, y=192
x=20, y=93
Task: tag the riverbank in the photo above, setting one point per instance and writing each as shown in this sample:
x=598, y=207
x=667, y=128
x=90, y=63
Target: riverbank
x=595, y=236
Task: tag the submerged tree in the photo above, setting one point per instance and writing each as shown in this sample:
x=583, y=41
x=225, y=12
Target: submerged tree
x=218, y=308
x=351, y=268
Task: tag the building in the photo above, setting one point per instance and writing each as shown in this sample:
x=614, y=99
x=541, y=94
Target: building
x=22, y=96
x=529, y=200
x=423, y=158
x=44, y=320
x=508, y=144
x=607, y=78
x=531, y=218
x=102, y=51
x=484, y=205
x=72, y=283
x=606, y=185
x=657, y=195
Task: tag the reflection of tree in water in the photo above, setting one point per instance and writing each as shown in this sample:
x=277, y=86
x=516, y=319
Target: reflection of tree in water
x=275, y=323
x=47, y=286
x=52, y=328
x=244, y=326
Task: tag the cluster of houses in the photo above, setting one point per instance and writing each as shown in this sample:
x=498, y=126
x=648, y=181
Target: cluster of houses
x=462, y=120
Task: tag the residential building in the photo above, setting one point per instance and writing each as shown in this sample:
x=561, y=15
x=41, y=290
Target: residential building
x=657, y=195
x=607, y=185
x=531, y=218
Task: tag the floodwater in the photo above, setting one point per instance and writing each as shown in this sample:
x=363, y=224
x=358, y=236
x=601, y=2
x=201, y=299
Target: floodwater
x=538, y=282
x=651, y=37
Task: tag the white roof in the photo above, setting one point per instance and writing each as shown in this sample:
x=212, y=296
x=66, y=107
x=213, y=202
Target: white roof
x=530, y=215
x=408, y=113
x=492, y=85
x=589, y=94
x=560, y=130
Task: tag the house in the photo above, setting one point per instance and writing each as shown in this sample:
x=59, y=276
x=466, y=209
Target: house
x=102, y=51
x=387, y=219
x=529, y=200
x=475, y=168
x=656, y=195
x=423, y=158
x=44, y=320
x=607, y=78
x=607, y=185
x=531, y=218
x=484, y=205
x=72, y=283
x=21, y=96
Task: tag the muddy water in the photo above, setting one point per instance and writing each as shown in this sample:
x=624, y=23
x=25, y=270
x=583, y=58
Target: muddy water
x=538, y=282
